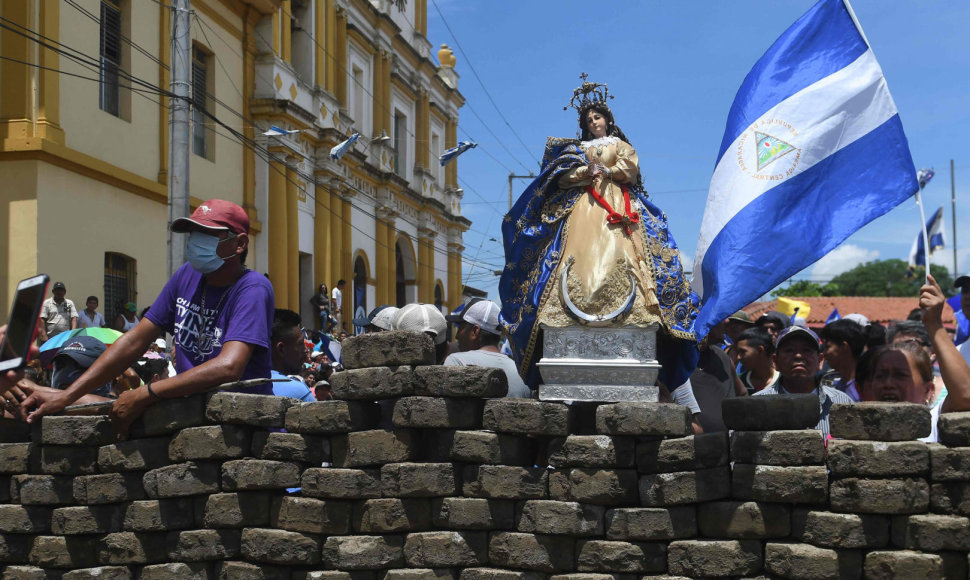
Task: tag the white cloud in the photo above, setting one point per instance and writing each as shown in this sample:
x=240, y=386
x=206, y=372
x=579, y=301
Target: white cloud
x=944, y=257
x=841, y=259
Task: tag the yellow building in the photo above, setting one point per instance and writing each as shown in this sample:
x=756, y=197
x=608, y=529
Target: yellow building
x=84, y=146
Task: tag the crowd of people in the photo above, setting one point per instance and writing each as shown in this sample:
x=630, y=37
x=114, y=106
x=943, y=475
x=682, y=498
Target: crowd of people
x=227, y=334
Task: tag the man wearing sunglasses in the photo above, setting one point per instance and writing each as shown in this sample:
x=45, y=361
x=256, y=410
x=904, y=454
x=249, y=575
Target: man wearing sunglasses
x=219, y=312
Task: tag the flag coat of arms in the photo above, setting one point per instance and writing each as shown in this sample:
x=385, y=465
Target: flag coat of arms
x=813, y=150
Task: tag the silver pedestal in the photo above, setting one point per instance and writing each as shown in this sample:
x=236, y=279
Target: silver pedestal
x=610, y=364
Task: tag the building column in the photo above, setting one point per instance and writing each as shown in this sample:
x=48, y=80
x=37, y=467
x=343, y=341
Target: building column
x=336, y=248
x=386, y=91
x=292, y=236
x=451, y=140
x=421, y=17
x=378, y=92
x=425, y=266
x=249, y=84
x=49, y=85
x=330, y=42
x=319, y=50
x=15, y=90
x=422, y=126
x=345, y=256
x=340, y=68
x=286, y=43
x=454, y=275
x=278, y=264
x=277, y=40
x=321, y=239
x=380, y=241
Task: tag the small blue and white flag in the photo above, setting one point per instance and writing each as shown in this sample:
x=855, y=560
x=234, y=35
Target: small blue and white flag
x=934, y=230
x=923, y=176
x=963, y=323
x=275, y=131
x=450, y=154
x=341, y=148
x=813, y=150
x=833, y=317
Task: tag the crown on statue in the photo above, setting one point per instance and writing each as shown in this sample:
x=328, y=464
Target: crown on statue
x=588, y=94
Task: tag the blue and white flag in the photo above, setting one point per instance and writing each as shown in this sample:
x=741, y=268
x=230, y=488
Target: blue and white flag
x=934, y=230
x=450, y=154
x=340, y=148
x=963, y=324
x=833, y=317
x=923, y=176
x=275, y=131
x=813, y=150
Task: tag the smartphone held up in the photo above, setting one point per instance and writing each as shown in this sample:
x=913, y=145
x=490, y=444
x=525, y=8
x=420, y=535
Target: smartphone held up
x=22, y=324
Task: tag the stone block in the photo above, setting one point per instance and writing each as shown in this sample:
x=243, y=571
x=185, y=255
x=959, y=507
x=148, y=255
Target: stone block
x=16, y=519
x=931, y=533
x=363, y=552
x=802, y=447
x=127, y=548
x=446, y=549
x=235, y=570
x=499, y=574
x=616, y=556
x=182, y=479
x=291, y=447
x=560, y=518
x=16, y=548
x=341, y=575
x=683, y=487
x=387, y=349
x=24, y=573
x=749, y=520
x=651, y=524
x=99, y=573
x=880, y=421
x=280, y=547
x=341, y=483
x=531, y=551
x=374, y=447
x=63, y=552
x=42, y=489
x=157, y=515
x=505, y=482
x=954, y=429
x=418, y=480
x=683, y=453
x=65, y=460
x=695, y=558
x=878, y=458
x=170, y=416
x=243, y=474
x=596, y=486
x=75, y=520
x=15, y=458
x=248, y=409
x=134, y=455
x=592, y=451
x=844, y=531
x=880, y=496
x=201, y=545
x=234, y=510
x=805, y=562
x=367, y=384
x=437, y=413
x=210, y=442
x=477, y=382
x=527, y=417
x=646, y=419
x=774, y=413
x=951, y=497
x=312, y=516
x=950, y=464
x=390, y=515
x=176, y=571
x=472, y=513
x=420, y=574
x=771, y=483
x=492, y=448
x=602, y=576
x=323, y=417
x=76, y=430
x=14, y=431
x=902, y=564
x=108, y=488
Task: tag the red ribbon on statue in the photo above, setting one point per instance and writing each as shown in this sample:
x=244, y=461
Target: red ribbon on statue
x=627, y=219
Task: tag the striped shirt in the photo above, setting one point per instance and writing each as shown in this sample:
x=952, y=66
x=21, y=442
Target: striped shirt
x=827, y=396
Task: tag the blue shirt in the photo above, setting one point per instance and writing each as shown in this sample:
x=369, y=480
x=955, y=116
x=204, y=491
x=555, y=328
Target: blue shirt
x=827, y=396
x=291, y=388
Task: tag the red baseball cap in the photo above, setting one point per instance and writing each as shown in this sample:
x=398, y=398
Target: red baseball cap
x=214, y=215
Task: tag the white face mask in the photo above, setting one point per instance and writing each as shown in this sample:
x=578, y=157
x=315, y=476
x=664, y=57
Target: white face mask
x=202, y=254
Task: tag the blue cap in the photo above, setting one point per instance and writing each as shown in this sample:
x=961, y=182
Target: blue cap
x=797, y=331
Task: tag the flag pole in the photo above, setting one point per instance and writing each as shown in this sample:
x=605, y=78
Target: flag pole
x=926, y=236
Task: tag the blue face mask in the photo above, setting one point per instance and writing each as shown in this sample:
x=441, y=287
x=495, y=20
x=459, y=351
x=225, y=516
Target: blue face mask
x=202, y=253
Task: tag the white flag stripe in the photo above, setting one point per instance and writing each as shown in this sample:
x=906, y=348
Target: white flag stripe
x=844, y=107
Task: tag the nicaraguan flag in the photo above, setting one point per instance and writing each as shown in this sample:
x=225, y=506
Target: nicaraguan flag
x=450, y=154
x=963, y=324
x=833, y=317
x=934, y=230
x=340, y=148
x=813, y=150
x=275, y=131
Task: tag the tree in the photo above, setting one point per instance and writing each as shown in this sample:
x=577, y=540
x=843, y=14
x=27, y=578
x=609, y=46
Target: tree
x=888, y=278
x=808, y=288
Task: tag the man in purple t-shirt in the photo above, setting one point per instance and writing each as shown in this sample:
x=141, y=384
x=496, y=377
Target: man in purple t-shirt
x=219, y=311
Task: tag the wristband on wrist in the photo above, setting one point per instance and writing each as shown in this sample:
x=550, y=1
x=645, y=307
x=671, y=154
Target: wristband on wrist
x=152, y=393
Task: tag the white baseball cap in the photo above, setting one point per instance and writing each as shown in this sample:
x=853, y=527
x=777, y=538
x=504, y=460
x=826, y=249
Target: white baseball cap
x=422, y=318
x=384, y=319
x=482, y=313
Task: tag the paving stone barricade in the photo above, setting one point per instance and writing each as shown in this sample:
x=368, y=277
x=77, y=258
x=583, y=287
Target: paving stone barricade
x=419, y=472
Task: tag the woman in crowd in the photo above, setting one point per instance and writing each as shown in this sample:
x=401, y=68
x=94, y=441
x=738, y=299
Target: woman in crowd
x=321, y=302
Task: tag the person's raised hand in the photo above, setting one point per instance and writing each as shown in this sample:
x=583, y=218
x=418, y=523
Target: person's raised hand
x=127, y=407
x=931, y=301
x=46, y=402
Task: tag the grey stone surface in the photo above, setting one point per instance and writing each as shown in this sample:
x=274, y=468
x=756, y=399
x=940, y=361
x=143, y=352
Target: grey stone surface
x=437, y=413
x=325, y=417
x=244, y=474
x=170, y=416
x=805, y=562
x=950, y=464
x=391, y=515
x=65, y=460
x=539, y=553
x=176, y=571
x=799, y=447
x=182, y=479
x=15, y=457
x=499, y=574
x=363, y=552
x=645, y=419
x=16, y=519
x=235, y=510
x=682, y=453
x=312, y=516
x=108, y=488
x=492, y=448
x=387, y=349
x=418, y=480
x=683, y=487
x=63, y=552
x=774, y=413
x=560, y=517
x=880, y=496
x=446, y=549
x=843, y=531
x=248, y=409
x=651, y=524
x=472, y=513
x=457, y=381
x=596, y=486
x=341, y=483
x=902, y=564
x=156, y=515
x=201, y=545
x=748, y=520
x=505, y=482
x=954, y=429
x=42, y=489
x=592, y=451
x=878, y=458
x=210, y=442
x=280, y=547
x=617, y=556
x=372, y=448
x=99, y=573
x=714, y=557
x=291, y=447
x=931, y=532
x=68, y=430
x=367, y=384
x=127, y=548
x=769, y=483
x=134, y=455
x=527, y=417
x=880, y=421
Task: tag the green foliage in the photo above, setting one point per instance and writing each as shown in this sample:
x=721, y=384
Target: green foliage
x=808, y=288
x=888, y=278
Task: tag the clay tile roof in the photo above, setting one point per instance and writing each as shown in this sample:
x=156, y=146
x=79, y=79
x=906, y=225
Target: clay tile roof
x=877, y=309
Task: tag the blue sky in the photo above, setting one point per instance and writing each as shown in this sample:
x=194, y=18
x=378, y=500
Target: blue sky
x=675, y=68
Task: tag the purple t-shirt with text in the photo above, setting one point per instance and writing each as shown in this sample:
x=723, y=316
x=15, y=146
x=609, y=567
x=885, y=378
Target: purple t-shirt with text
x=245, y=314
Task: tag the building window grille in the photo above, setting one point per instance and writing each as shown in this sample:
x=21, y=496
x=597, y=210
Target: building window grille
x=110, y=52
x=119, y=283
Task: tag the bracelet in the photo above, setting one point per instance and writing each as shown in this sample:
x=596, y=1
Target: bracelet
x=152, y=393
